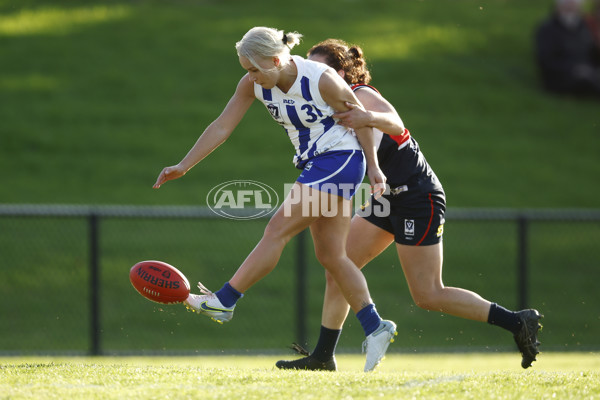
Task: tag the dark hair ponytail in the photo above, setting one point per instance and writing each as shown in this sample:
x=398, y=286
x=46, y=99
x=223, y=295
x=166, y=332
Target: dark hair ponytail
x=341, y=57
x=359, y=70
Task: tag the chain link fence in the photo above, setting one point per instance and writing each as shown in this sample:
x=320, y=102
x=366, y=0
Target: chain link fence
x=66, y=290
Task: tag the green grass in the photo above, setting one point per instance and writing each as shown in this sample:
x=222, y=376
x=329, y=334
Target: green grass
x=97, y=96
x=430, y=376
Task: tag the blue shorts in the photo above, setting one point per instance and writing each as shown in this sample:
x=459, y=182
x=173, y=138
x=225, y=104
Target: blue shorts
x=338, y=172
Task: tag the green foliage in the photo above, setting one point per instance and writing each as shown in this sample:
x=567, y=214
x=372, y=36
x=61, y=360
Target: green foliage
x=475, y=376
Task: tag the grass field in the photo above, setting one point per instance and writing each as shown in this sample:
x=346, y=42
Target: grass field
x=425, y=376
x=97, y=96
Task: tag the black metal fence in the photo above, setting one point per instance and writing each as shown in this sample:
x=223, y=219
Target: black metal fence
x=109, y=239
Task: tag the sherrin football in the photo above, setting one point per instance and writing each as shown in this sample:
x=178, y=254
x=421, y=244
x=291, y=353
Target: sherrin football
x=159, y=282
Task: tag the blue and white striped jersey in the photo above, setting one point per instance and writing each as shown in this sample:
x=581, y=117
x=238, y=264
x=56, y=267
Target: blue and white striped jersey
x=305, y=116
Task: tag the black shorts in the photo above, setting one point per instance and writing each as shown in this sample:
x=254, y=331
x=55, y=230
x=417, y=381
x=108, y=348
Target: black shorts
x=414, y=210
x=415, y=219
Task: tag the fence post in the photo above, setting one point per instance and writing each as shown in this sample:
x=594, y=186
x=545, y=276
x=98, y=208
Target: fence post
x=301, y=272
x=522, y=254
x=94, y=286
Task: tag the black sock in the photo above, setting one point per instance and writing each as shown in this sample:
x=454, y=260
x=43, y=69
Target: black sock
x=504, y=318
x=328, y=339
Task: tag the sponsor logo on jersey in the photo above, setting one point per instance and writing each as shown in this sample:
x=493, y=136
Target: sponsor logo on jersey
x=409, y=227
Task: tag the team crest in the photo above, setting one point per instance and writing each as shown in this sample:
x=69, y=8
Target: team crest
x=409, y=227
x=275, y=111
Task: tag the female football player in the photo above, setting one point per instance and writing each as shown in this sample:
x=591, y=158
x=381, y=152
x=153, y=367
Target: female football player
x=415, y=223
x=302, y=96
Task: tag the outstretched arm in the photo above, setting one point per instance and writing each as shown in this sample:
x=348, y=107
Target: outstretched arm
x=215, y=134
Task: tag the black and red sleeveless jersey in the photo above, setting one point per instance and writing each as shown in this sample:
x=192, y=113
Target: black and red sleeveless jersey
x=402, y=161
x=400, y=139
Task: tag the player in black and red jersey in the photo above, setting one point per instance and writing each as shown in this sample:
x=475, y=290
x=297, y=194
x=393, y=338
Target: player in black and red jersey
x=415, y=220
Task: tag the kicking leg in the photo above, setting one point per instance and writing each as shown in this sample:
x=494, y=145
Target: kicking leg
x=288, y=221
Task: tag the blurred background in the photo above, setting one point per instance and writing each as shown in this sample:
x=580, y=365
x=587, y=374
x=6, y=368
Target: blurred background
x=96, y=97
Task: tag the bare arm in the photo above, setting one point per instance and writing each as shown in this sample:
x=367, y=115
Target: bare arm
x=337, y=94
x=377, y=113
x=215, y=134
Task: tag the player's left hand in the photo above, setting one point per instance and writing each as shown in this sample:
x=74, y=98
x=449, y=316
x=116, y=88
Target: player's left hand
x=356, y=117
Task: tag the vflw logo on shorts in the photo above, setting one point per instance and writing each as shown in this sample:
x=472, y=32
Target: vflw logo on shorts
x=409, y=227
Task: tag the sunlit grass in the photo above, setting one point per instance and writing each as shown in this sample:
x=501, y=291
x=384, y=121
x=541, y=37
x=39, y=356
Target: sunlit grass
x=433, y=376
x=97, y=96
x=412, y=38
x=29, y=82
x=58, y=20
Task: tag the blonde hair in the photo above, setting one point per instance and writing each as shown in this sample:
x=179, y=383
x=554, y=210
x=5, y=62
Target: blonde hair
x=263, y=42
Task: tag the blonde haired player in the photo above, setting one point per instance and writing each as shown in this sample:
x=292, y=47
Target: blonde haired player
x=301, y=96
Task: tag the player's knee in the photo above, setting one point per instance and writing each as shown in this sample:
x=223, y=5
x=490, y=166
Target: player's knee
x=273, y=232
x=360, y=260
x=427, y=300
x=332, y=256
x=328, y=259
x=329, y=279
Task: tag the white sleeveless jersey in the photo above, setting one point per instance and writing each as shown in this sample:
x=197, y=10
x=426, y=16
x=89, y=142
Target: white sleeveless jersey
x=305, y=116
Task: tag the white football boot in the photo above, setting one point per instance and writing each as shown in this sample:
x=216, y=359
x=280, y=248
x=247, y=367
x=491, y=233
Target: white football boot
x=376, y=344
x=209, y=305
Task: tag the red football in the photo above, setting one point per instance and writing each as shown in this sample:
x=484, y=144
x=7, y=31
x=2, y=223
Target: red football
x=159, y=282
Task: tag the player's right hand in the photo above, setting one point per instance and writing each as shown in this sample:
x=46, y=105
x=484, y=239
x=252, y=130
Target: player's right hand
x=378, y=182
x=356, y=117
x=168, y=174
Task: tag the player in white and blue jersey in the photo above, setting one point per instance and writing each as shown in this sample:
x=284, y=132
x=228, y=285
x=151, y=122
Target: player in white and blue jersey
x=414, y=222
x=322, y=146
x=302, y=96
